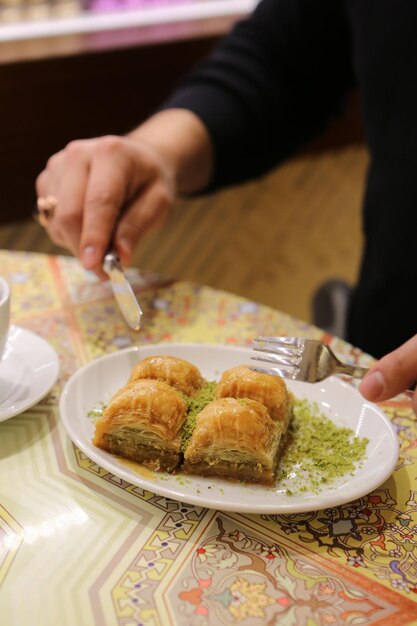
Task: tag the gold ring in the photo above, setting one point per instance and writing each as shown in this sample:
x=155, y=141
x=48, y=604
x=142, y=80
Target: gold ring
x=46, y=207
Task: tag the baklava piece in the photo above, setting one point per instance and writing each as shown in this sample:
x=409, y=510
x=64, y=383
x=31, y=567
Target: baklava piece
x=176, y=372
x=234, y=439
x=271, y=391
x=143, y=422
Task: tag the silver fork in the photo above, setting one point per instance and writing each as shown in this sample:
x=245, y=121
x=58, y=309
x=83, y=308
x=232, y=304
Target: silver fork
x=302, y=359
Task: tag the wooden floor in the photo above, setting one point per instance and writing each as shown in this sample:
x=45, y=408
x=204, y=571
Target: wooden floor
x=273, y=240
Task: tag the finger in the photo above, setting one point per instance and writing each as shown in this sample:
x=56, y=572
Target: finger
x=41, y=184
x=71, y=178
x=61, y=169
x=151, y=209
x=46, y=182
x=46, y=187
x=394, y=373
x=109, y=184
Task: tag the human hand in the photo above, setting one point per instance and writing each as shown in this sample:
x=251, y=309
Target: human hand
x=107, y=189
x=394, y=373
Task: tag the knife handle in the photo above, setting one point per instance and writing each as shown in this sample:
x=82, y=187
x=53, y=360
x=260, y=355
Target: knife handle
x=111, y=260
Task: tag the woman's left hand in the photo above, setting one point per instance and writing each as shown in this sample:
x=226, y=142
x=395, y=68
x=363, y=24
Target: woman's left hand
x=394, y=373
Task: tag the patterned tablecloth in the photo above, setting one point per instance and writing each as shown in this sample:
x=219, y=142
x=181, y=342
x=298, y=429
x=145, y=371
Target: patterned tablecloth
x=81, y=547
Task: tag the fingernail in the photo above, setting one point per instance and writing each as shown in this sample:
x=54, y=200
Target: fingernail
x=89, y=257
x=373, y=385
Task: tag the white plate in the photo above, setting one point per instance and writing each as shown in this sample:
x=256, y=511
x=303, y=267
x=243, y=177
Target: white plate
x=28, y=370
x=97, y=381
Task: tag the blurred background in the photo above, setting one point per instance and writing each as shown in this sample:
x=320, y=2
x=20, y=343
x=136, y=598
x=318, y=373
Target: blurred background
x=70, y=70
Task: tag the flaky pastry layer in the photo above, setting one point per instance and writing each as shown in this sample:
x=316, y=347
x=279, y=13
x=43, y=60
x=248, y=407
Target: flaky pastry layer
x=143, y=422
x=176, y=372
x=235, y=439
x=271, y=391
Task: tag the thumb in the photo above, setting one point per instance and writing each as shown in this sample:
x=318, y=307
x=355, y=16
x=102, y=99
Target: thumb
x=394, y=373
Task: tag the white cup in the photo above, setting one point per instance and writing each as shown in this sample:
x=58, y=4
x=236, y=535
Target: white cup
x=4, y=313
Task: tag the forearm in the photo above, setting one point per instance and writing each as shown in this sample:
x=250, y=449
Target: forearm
x=271, y=85
x=183, y=142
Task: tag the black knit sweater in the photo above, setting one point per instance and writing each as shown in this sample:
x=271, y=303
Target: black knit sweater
x=276, y=81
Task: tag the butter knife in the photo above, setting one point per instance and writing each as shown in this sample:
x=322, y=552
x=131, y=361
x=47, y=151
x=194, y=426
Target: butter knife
x=122, y=290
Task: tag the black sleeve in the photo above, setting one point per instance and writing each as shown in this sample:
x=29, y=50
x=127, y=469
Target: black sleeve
x=271, y=84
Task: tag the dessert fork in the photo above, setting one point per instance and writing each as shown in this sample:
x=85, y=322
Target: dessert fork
x=302, y=359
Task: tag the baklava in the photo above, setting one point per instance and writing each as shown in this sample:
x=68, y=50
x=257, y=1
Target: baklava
x=143, y=422
x=234, y=439
x=271, y=391
x=174, y=371
x=169, y=418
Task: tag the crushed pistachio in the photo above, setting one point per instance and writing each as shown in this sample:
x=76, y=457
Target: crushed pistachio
x=196, y=404
x=317, y=451
x=96, y=412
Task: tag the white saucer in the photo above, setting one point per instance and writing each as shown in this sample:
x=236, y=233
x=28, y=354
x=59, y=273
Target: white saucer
x=28, y=370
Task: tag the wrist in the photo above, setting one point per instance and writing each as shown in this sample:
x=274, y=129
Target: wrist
x=182, y=141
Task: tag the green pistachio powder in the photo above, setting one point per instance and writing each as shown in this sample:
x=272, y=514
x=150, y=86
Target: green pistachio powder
x=316, y=451
x=196, y=404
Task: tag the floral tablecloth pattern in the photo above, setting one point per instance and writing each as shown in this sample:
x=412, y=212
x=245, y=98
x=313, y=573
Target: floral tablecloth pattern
x=81, y=547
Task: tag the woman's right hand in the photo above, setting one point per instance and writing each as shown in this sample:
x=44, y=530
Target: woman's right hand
x=113, y=189
x=108, y=188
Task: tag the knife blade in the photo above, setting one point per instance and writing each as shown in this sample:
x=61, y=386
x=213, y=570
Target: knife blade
x=122, y=290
